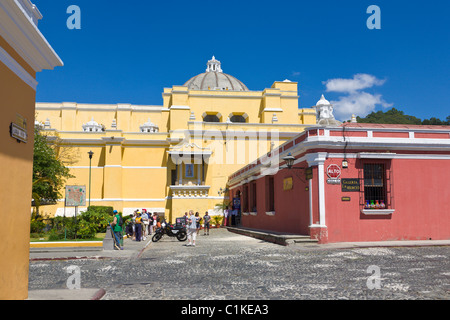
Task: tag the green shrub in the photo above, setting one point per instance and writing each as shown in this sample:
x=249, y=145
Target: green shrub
x=36, y=226
x=98, y=217
x=103, y=209
x=55, y=235
x=37, y=235
x=85, y=230
x=85, y=226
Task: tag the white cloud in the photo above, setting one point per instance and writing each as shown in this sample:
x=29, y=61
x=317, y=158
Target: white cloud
x=356, y=102
x=360, y=81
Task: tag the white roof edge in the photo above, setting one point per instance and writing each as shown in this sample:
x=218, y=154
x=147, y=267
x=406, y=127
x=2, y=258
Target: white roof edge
x=18, y=26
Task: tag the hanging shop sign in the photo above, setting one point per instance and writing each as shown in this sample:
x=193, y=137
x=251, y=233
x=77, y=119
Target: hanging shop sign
x=309, y=173
x=350, y=185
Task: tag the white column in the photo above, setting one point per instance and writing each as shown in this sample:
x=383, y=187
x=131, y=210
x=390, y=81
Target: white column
x=321, y=183
x=318, y=159
x=199, y=173
x=310, y=203
x=180, y=177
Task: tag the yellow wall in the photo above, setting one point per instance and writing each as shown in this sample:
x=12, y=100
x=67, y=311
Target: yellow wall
x=16, y=167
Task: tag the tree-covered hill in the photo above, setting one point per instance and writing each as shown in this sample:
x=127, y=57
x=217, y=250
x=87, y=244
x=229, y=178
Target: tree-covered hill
x=394, y=116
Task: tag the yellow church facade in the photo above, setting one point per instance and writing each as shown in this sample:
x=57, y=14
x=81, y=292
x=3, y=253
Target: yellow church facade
x=177, y=156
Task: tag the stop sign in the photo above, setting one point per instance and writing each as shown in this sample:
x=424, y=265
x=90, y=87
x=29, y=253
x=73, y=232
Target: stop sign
x=333, y=171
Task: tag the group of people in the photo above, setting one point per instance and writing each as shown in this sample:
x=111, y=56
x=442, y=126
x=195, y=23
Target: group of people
x=193, y=223
x=143, y=224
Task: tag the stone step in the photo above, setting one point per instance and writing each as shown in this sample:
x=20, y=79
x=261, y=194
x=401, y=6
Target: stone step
x=278, y=238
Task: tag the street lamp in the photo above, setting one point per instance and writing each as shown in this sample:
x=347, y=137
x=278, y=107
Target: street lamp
x=289, y=159
x=90, y=153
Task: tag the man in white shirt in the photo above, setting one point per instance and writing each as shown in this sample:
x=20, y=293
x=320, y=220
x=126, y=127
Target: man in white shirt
x=191, y=229
x=145, y=221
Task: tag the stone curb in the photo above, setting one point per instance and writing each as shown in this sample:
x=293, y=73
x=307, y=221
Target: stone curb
x=286, y=240
x=99, y=294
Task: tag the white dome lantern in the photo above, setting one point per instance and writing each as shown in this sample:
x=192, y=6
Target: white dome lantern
x=215, y=79
x=214, y=65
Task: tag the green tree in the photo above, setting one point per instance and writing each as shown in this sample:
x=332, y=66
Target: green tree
x=433, y=121
x=49, y=172
x=392, y=116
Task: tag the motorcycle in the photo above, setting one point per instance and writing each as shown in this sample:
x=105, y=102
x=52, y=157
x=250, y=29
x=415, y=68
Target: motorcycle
x=170, y=230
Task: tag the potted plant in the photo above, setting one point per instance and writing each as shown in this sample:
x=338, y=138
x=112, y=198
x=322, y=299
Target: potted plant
x=217, y=220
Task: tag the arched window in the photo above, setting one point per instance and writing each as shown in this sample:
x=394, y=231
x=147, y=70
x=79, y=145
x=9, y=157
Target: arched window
x=211, y=118
x=238, y=118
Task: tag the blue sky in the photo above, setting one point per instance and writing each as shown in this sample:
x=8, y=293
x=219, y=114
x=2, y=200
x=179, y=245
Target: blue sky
x=128, y=51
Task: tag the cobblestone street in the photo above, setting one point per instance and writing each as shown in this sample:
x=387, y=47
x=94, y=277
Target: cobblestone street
x=227, y=266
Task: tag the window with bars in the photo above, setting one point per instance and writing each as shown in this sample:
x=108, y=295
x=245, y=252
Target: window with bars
x=375, y=185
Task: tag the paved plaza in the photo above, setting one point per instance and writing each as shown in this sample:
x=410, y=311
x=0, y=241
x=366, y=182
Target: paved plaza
x=229, y=266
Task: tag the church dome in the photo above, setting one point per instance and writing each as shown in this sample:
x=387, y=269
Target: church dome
x=215, y=79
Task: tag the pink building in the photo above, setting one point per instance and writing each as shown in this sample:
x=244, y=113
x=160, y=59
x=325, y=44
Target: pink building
x=354, y=182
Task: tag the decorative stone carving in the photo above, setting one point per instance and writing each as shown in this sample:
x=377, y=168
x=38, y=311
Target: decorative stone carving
x=93, y=126
x=149, y=127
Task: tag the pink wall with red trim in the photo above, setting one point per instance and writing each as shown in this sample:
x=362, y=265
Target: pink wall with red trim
x=420, y=188
x=421, y=192
x=291, y=206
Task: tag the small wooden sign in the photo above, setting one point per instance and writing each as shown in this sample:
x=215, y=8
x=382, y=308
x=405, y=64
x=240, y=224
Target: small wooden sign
x=346, y=199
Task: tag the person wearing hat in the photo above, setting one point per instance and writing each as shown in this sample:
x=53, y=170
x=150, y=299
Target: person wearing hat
x=117, y=229
x=138, y=226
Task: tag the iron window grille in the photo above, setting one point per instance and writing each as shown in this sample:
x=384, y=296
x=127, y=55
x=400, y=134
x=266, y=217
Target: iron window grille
x=377, y=179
